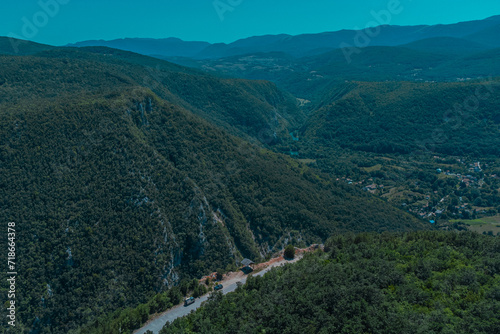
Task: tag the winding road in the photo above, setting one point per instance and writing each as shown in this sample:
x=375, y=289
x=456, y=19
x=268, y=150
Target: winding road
x=156, y=324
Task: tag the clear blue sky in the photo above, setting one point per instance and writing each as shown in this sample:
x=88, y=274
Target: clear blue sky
x=77, y=20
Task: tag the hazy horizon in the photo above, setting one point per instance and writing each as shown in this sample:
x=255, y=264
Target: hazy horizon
x=61, y=22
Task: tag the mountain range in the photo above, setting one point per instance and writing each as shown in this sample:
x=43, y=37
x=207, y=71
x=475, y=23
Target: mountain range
x=128, y=175
x=483, y=32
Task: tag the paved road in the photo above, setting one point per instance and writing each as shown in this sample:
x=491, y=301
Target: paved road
x=178, y=311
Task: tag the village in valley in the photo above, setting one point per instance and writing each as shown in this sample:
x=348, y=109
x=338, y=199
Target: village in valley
x=444, y=190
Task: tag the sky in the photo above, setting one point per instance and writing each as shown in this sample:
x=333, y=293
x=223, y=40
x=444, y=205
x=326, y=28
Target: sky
x=58, y=22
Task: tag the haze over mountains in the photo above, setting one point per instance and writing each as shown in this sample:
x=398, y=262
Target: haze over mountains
x=308, y=64
x=483, y=32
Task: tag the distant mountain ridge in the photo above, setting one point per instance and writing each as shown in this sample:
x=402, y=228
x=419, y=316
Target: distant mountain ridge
x=12, y=46
x=149, y=46
x=447, y=45
x=480, y=31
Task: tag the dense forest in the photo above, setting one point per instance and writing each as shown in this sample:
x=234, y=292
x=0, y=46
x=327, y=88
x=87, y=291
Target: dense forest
x=390, y=118
x=120, y=190
x=311, y=77
x=446, y=118
x=420, y=282
x=430, y=148
x=254, y=110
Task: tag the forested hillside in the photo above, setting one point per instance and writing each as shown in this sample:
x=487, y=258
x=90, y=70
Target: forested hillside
x=255, y=110
x=311, y=77
x=447, y=118
x=427, y=282
x=429, y=148
x=118, y=193
x=12, y=46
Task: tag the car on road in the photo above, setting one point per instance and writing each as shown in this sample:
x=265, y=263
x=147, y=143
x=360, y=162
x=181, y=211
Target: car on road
x=188, y=301
x=218, y=287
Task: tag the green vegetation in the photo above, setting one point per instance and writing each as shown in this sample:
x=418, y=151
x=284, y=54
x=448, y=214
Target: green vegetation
x=130, y=176
x=434, y=97
x=313, y=77
x=408, y=117
x=120, y=189
x=289, y=252
x=404, y=133
x=485, y=225
x=130, y=319
x=254, y=110
x=12, y=46
x=481, y=221
x=425, y=282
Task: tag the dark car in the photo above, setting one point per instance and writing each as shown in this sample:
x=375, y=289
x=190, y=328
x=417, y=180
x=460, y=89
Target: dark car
x=218, y=287
x=188, y=301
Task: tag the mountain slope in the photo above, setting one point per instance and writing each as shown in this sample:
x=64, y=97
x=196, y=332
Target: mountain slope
x=310, y=77
x=487, y=36
x=13, y=46
x=435, y=59
x=117, y=193
x=447, y=45
x=255, y=110
x=392, y=284
x=406, y=117
x=167, y=47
